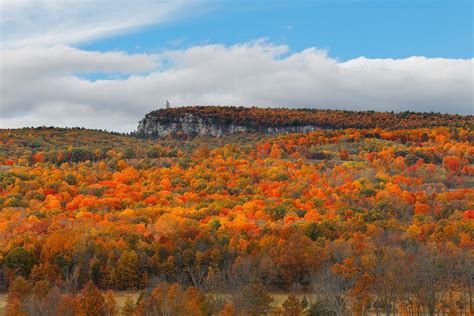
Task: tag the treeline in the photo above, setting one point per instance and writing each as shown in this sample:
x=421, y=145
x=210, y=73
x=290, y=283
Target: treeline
x=416, y=281
x=363, y=220
x=260, y=118
x=164, y=298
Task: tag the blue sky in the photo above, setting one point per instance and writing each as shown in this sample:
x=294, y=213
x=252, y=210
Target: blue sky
x=106, y=63
x=348, y=29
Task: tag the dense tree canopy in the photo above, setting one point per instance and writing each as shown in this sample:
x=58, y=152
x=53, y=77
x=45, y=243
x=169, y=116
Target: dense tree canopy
x=358, y=218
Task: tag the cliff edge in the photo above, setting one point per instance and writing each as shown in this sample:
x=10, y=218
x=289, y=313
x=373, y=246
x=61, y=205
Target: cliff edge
x=226, y=120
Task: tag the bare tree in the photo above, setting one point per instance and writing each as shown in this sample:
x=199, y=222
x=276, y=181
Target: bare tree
x=386, y=272
x=333, y=289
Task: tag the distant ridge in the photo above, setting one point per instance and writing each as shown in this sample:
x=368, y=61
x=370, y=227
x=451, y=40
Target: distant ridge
x=224, y=120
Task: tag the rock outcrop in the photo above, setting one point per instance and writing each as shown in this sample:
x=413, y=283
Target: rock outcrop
x=226, y=120
x=158, y=124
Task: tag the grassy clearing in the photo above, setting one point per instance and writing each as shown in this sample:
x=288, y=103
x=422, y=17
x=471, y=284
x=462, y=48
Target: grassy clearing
x=3, y=303
x=121, y=297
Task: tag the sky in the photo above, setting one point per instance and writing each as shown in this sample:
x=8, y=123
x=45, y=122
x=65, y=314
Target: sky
x=106, y=63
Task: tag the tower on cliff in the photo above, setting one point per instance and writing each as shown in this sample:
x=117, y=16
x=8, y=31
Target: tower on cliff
x=168, y=104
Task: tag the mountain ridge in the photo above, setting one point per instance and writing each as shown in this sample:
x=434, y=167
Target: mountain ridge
x=224, y=120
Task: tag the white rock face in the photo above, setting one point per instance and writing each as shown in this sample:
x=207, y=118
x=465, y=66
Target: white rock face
x=191, y=124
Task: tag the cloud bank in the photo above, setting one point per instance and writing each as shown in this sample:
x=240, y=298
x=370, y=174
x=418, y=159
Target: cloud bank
x=53, y=86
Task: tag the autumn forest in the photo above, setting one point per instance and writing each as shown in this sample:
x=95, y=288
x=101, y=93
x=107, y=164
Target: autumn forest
x=372, y=215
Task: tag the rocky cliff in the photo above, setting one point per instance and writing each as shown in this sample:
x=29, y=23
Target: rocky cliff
x=225, y=120
x=193, y=124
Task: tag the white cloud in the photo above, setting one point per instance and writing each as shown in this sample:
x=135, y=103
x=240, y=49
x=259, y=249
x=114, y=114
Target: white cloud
x=41, y=86
x=63, y=59
x=50, y=22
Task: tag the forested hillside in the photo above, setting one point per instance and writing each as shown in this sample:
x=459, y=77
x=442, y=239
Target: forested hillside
x=375, y=219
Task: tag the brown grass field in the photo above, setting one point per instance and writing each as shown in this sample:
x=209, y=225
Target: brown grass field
x=3, y=302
